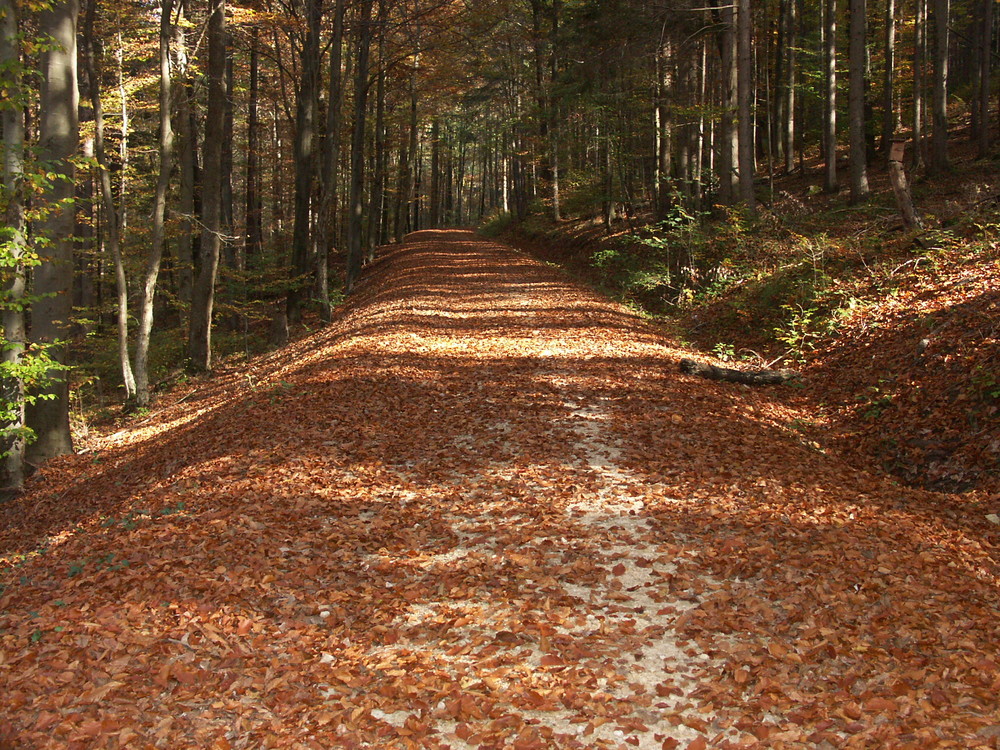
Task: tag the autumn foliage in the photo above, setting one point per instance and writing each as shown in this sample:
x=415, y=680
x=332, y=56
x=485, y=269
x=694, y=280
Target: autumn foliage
x=483, y=509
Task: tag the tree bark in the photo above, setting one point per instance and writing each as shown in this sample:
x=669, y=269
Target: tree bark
x=746, y=377
x=939, y=132
x=745, y=94
x=376, y=211
x=982, y=99
x=791, y=56
x=15, y=244
x=889, y=76
x=113, y=218
x=155, y=255
x=306, y=103
x=856, y=103
x=830, y=101
x=184, y=126
x=729, y=137
x=663, y=124
x=203, y=294
x=53, y=279
x=919, y=80
x=326, y=216
x=355, y=256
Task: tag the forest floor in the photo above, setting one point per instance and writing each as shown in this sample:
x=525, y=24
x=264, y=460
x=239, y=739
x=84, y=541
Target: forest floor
x=485, y=510
x=896, y=333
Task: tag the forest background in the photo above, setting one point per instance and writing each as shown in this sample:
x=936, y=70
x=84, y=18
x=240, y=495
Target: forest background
x=186, y=181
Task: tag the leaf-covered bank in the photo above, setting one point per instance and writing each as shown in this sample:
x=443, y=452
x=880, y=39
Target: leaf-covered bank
x=896, y=332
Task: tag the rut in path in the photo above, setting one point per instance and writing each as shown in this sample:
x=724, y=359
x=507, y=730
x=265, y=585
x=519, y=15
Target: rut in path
x=483, y=510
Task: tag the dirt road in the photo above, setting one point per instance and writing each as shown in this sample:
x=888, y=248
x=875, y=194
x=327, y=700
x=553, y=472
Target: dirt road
x=484, y=510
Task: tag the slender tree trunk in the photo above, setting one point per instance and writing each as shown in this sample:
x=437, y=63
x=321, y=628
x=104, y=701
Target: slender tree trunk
x=12, y=351
x=376, y=212
x=919, y=82
x=791, y=55
x=124, y=130
x=188, y=163
x=113, y=218
x=203, y=297
x=153, y=259
x=355, y=256
x=745, y=89
x=305, y=126
x=406, y=169
x=856, y=103
x=939, y=131
x=435, y=173
x=331, y=165
x=53, y=279
x=830, y=109
x=254, y=239
x=664, y=124
x=889, y=77
x=982, y=98
x=729, y=137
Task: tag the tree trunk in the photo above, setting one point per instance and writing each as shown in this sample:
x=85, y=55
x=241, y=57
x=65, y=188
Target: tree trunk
x=355, y=256
x=889, y=77
x=664, y=125
x=919, y=80
x=729, y=137
x=203, y=296
x=435, y=197
x=745, y=94
x=184, y=126
x=113, y=219
x=744, y=377
x=53, y=279
x=856, y=103
x=305, y=126
x=376, y=212
x=12, y=350
x=254, y=237
x=982, y=97
x=830, y=108
x=791, y=48
x=166, y=149
x=939, y=132
x=331, y=165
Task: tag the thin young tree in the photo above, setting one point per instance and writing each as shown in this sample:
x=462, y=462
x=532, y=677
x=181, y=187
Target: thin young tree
x=355, y=256
x=858, y=156
x=203, y=294
x=155, y=253
x=745, y=89
x=113, y=215
x=830, y=100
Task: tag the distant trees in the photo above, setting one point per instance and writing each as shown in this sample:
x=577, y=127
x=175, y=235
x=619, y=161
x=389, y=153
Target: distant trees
x=278, y=148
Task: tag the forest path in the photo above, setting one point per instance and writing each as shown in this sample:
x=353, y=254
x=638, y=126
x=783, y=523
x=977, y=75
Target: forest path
x=484, y=510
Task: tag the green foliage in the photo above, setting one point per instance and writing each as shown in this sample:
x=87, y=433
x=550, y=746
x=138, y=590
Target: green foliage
x=799, y=330
x=876, y=400
x=497, y=224
x=725, y=352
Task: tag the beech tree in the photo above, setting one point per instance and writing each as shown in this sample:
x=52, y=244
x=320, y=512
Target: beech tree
x=58, y=127
x=203, y=293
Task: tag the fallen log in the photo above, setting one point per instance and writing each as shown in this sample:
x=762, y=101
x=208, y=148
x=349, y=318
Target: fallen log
x=747, y=377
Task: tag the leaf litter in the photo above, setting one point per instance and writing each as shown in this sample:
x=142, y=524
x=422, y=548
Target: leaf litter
x=484, y=510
